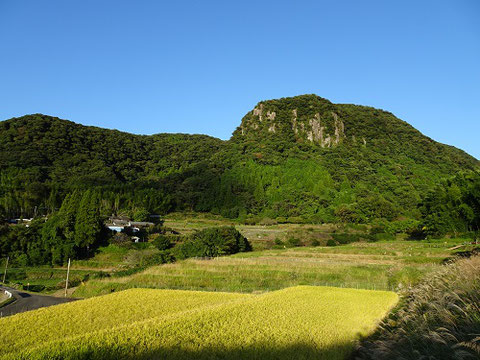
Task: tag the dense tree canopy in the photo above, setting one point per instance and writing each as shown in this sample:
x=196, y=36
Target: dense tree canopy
x=453, y=206
x=75, y=231
x=302, y=157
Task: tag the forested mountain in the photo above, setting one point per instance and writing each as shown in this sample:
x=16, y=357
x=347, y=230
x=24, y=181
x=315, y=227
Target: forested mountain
x=300, y=159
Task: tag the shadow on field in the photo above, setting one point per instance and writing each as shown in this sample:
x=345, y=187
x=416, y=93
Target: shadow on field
x=295, y=351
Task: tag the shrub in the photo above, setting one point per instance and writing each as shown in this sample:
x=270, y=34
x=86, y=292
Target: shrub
x=315, y=242
x=294, y=242
x=72, y=282
x=252, y=220
x=163, y=257
x=331, y=242
x=230, y=213
x=268, y=222
x=100, y=275
x=162, y=242
x=33, y=287
x=121, y=239
x=295, y=220
x=416, y=233
x=156, y=229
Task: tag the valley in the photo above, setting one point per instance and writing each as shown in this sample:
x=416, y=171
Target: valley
x=302, y=236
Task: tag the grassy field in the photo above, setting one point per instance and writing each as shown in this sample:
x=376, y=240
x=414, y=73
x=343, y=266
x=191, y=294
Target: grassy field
x=108, y=260
x=300, y=322
x=384, y=265
x=262, y=237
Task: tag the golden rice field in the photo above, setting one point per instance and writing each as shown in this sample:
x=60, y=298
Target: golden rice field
x=302, y=322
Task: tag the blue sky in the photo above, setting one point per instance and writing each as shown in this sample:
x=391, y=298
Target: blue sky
x=198, y=66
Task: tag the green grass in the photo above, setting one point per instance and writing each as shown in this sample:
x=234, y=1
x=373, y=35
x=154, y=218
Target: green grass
x=300, y=322
x=387, y=265
x=109, y=260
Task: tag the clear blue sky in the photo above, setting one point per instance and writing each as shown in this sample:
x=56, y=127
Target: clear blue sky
x=198, y=66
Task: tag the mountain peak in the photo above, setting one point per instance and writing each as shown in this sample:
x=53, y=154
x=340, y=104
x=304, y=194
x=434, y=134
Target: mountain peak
x=305, y=118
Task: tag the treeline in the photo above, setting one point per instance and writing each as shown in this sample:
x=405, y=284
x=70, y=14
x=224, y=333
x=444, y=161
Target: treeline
x=453, y=206
x=75, y=231
x=277, y=175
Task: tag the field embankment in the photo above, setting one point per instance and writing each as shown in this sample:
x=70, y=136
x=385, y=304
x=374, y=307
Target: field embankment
x=301, y=322
x=439, y=319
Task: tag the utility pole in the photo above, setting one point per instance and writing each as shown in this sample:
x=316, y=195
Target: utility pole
x=5, y=272
x=66, y=282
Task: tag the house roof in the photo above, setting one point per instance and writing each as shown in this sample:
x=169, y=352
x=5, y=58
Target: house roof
x=141, y=223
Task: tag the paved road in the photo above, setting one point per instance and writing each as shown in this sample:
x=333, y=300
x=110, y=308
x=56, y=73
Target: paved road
x=28, y=301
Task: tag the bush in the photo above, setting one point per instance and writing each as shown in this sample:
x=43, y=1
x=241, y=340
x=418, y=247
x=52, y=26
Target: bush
x=281, y=220
x=279, y=242
x=230, y=213
x=268, y=222
x=162, y=242
x=315, y=242
x=212, y=242
x=33, y=287
x=294, y=242
x=121, y=239
x=416, y=234
x=252, y=220
x=100, y=275
x=331, y=242
x=156, y=229
x=72, y=282
x=163, y=257
x=296, y=220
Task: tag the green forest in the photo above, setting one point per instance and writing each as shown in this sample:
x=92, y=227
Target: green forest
x=300, y=160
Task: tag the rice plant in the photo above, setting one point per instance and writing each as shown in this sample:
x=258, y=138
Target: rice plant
x=301, y=322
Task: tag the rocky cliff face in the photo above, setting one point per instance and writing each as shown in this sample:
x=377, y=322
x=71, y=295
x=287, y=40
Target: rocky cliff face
x=306, y=118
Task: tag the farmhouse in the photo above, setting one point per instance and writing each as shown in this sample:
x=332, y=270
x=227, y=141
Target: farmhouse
x=123, y=223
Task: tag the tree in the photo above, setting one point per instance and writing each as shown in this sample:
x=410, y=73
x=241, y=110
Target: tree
x=88, y=224
x=141, y=214
x=213, y=242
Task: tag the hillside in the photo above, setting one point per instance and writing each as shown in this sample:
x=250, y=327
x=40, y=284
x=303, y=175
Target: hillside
x=302, y=158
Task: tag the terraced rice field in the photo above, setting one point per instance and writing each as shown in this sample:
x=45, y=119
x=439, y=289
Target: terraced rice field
x=300, y=322
x=381, y=265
